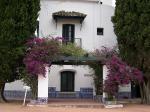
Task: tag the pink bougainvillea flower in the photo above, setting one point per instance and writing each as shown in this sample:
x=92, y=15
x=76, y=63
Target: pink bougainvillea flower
x=41, y=52
x=119, y=73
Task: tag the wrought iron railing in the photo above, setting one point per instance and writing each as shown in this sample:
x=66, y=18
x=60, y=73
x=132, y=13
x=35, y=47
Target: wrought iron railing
x=77, y=41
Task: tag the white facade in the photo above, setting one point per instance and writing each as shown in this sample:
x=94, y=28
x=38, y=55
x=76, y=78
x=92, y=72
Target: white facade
x=98, y=16
x=83, y=76
x=105, y=2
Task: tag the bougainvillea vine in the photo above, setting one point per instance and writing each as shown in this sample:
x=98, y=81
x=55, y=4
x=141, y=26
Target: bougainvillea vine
x=40, y=53
x=119, y=73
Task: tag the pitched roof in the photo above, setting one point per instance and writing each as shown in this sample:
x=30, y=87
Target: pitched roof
x=68, y=14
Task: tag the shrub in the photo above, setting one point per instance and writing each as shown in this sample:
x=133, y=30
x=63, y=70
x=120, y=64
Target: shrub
x=119, y=73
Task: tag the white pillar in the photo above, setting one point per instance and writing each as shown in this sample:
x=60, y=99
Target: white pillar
x=105, y=73
x=43, y=87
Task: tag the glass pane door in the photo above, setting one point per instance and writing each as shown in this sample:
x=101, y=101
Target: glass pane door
x=68, y=32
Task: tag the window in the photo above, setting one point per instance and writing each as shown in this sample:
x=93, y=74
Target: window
x=68, y=32
x=100, y=31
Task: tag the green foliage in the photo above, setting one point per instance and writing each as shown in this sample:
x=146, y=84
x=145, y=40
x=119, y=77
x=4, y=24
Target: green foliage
x=31, y=81
x=17, y=24
x=132, y=27
x=98, y=77
x=72, y=50
x=18, y=21
x=103, y=54
x=10, y=60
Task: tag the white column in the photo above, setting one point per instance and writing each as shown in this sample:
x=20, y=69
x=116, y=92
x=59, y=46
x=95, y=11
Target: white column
x=105, y=72
x=43, y=87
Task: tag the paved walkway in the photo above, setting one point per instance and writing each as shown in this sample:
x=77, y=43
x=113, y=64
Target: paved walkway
x=66, y=106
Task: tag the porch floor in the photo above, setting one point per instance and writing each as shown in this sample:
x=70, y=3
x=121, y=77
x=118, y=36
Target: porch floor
x=74, y=103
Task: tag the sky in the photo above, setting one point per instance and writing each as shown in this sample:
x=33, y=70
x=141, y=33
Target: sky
x=114, y=2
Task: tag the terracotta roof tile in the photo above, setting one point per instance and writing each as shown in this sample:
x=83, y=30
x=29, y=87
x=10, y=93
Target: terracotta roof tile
x=69, y=14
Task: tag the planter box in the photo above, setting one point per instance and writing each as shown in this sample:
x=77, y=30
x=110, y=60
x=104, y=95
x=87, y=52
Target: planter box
x=111, y=102
x=114, y=106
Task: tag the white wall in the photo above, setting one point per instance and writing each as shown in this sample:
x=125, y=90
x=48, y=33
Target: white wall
x=17, y=85
x=97, y=16
x=106, y=2
x=125, y=88
x=83, y=76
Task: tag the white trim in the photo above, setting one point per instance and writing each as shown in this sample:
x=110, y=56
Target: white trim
x=97, y=1
x=70, y=70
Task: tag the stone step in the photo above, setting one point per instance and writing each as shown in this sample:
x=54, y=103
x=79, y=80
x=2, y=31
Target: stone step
x=76, y=106
x=66, y=95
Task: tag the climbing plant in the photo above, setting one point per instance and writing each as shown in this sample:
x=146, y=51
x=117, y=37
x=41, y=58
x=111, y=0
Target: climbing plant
x=119, y=73
x=103, y=54
x=71, y=49
x=98, y=77
x=41, y=52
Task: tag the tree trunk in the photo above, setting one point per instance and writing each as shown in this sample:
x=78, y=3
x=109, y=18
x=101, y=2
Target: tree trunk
x=34, y=91
x=34, y=87
x=145, y=92
x=141, y=92
x=2, y=97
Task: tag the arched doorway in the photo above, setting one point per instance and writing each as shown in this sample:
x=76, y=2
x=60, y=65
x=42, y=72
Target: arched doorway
x=67, y=81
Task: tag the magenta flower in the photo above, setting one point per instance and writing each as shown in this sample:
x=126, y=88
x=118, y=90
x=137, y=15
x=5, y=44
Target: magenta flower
x=41, y=52
x=119, y=74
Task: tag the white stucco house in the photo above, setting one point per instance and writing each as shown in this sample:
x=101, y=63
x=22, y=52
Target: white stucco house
x=84, y=22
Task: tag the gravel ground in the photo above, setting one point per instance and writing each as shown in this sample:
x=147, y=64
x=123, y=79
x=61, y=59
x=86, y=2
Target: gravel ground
x=17, y=107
